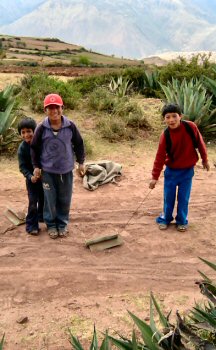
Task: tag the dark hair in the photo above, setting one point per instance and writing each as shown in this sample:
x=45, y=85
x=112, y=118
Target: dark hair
x=171, y=108
x=28, y=123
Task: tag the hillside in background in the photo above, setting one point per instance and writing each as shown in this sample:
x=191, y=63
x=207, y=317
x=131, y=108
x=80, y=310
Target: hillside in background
x=126, y=28
x=19, y=54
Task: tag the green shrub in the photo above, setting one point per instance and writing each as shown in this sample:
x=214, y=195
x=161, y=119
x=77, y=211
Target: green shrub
x=101, y=100
x=86, y=85
x=114, y=129
x=88, y=146
x=181, y=69
x=36, y=87
x=131, y=113
x=135, y=75
x=124, y=123
x=84, y=60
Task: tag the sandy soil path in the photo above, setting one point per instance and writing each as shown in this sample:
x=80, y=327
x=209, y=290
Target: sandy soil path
x=60, y=284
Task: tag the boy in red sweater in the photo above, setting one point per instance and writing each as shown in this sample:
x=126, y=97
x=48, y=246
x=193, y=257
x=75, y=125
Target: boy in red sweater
x=177, y=151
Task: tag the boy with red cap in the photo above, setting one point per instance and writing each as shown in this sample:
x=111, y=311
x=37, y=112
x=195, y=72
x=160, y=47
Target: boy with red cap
x=54, y=144
x=177, y=150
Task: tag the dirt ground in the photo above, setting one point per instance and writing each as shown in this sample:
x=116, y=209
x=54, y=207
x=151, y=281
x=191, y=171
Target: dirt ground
x=60, y=284
x=62, y=71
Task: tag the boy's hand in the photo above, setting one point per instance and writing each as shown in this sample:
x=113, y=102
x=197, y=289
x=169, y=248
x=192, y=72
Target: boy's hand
x=206, y=165
x=37, y=173
x=152, y=184
x=81, y=169
x=33, y=179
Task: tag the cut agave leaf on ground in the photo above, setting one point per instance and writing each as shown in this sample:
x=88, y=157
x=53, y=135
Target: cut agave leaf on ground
x=101, y=243
x=17, y=218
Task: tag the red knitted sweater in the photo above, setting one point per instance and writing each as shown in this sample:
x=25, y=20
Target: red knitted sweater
x=184, y=153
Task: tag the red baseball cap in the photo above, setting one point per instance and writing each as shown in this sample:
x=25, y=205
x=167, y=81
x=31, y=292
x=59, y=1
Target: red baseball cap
x=53, y=99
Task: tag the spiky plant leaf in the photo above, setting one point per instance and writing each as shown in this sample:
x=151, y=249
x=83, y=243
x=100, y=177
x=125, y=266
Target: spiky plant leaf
x=134, y=342
x=163, y=319
x=212, y=265
x=205, y=277
x=94, y=343
x=146, y=331
x=105, y=343
x=121, y=344
x=157, y=334
x=2, y=342
x=75, y=342
x=206, y=316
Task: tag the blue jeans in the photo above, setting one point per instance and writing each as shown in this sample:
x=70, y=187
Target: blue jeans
x=35, y=205
x=57, y=199
x=173, y=178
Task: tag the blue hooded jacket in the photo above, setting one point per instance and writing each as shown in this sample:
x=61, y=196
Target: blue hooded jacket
x=55, y=153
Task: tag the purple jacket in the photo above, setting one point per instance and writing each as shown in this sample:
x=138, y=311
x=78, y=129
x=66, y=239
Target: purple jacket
x=55, y=153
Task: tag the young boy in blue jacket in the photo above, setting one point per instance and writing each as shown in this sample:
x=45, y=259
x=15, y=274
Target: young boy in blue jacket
x=26, y=129
x=54, y=144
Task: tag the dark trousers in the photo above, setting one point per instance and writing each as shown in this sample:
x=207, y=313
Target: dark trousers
x=174, y=179
x=57, y=199
x=35, y=205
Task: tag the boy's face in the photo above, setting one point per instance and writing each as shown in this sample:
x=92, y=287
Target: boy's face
x=172, y=120
x=27, y=134
x=54, y=112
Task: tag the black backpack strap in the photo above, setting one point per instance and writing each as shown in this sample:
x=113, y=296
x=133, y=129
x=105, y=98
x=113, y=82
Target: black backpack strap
x=190, y=132
x=168, y=143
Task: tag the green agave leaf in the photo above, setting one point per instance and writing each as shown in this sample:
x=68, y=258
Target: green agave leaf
x=6, y=118
x=211, y=84
x=205, y=277
x=157, y=334
x=146, y=331
x=212, y=265
x=75, y=342
x=94, y=344
x=163, y=319
x=134, y=342
x=212, y=117
x=206, y=317
x=105, y=343
x=2, y=342
x=121, y=344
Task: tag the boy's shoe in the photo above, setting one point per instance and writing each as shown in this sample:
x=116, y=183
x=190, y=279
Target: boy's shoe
x=181, y=228
x=63, y=233
x=163, y=226
x=34, y=232
x=53, y=233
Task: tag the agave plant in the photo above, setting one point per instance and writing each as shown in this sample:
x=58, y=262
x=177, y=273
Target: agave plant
x=153, y=338
x=211, y=86
x=203, y=316
x=197, y=333
x=7, y=133
x=194, y=101
x=151, y=83
x=76, y=345
x=120, y=86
